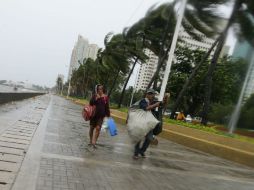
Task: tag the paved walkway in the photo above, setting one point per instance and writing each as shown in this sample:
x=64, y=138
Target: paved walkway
x=58, y=159
x=18, y=123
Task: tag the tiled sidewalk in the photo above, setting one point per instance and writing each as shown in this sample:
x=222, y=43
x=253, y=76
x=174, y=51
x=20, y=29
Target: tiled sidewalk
x=18, y=123
x=65, y=162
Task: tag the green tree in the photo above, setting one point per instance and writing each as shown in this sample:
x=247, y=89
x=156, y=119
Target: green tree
x=229, y=74
x=114, y=59
x=157, y=27
x=199, y=16
x=220, y=113
x=246, y=118
x=242, y=19
x=126, y=101
x=85, y=77
x=190, y=78
x=59, y=84
x=134, y=49
x=227, y=80
x=181, y=70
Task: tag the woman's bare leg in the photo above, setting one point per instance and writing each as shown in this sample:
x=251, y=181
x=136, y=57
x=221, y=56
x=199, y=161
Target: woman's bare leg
x=91, y=134
x=96, y=134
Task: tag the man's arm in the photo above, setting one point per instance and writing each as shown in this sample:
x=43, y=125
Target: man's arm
x=152, y=106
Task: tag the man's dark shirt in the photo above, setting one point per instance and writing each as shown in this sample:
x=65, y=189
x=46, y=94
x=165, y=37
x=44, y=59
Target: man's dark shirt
x=143, y=104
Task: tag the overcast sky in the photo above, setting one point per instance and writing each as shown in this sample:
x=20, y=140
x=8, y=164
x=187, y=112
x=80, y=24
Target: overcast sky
x=37, y=36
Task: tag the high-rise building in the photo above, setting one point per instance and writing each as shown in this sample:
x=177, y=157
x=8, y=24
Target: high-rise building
x=93, y=50
x=146, y=70
x=206, y=43
x=245, y=51
x=82, y=50
x=193, y=44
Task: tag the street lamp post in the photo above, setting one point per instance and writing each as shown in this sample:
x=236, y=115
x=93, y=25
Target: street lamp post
x=172, y=49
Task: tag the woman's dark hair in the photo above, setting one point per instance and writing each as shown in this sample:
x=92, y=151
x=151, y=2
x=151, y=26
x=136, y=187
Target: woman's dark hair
x=97, y=87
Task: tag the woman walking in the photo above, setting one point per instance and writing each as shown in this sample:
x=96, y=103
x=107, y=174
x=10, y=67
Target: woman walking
x=101, y=102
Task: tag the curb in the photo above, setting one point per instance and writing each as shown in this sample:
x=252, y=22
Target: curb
x=214, y=148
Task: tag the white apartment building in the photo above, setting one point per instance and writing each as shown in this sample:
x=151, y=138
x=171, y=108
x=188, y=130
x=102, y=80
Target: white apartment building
x=206, y=42
x=146, y=70
x=194, y=44
x=81, y=51
x=93, y=50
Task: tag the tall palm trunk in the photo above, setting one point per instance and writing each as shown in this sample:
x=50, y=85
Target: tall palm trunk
x=126, y=82
x=209, y=82
x=211, y=69
x=114, y=83
x=162, y=54
x=132, y=69
x=159, y=66
x=155, y=86
x=105, y=84
x=192, y=75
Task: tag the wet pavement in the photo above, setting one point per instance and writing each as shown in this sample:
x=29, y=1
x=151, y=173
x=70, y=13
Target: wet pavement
x=58, y=157
x=18, y=123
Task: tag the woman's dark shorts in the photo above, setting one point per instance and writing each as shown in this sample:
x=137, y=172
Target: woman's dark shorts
x=96, y=122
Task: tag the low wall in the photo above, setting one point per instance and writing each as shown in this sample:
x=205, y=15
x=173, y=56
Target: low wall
x=14, y=96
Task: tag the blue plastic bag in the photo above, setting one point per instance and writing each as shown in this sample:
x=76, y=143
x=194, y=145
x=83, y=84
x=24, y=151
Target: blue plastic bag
x=112, y=127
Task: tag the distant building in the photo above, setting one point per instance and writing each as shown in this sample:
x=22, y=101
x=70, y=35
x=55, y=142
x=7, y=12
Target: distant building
x=245, y=51
x=193, y=44
x=206, y=42
x=225, y=51
x=81, y=51
x=93, y=50
x=146, y=70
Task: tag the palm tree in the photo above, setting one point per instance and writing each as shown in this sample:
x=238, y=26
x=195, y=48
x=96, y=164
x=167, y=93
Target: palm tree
x=149, y=28
x=153, y=25
x=114, y=58
x=134, y=48
x=164, y=47
x=241, y=19
x=188, y=81
x=199, y=16
x=59, y=83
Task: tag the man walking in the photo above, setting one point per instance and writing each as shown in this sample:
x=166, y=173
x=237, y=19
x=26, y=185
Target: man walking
x=147, y=104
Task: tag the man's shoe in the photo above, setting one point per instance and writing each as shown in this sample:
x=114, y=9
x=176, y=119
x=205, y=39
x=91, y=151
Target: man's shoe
x=154, y=141
x=135, y=157
x=143, y=155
